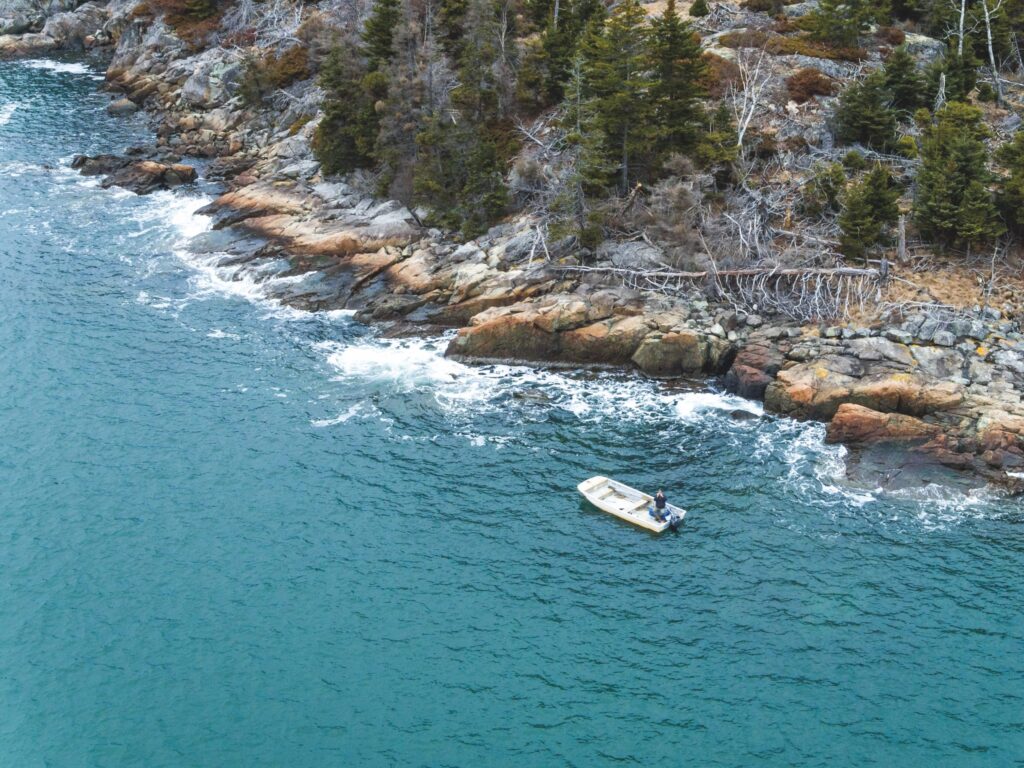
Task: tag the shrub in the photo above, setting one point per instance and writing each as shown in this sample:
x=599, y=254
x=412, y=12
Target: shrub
x=986, y=92
x=907, y=147
x=864, y=115
x=777, y=45
x=191, y=20
x=772, y=7
x=854, y=161
x=718, y=74
x=821, y=194
x=263, y=76
x=808, y=83
x=699, y=8
x=891, y=35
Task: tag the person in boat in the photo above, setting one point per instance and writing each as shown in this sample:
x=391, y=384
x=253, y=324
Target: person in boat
x=660, y=512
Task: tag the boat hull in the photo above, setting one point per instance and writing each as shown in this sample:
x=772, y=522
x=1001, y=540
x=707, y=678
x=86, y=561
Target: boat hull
x=628, y=504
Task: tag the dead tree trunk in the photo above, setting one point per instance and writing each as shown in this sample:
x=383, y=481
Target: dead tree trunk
x=989, y=13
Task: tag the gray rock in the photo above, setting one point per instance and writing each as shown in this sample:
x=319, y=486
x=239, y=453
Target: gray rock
x=755, y=321
x=927, y=330
x=1008, y=359
x=71, y=28
x=900, y=337
x=924, y=49
x=937, y=362
x=980, y=372
x=212, y=77
x=122, y=107
x=877, y=348
x=634, y=255
x=944, y=339
x=300, y=170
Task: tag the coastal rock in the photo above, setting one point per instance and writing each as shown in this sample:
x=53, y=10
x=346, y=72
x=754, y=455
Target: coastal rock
x=20, y=16
x=71, y=28
x=139, y=176
x=816, y=391
x=680, y=354
x=854, y=424
x=30, y=44
x=754, y=368
x=211, y=78
x=122, y=107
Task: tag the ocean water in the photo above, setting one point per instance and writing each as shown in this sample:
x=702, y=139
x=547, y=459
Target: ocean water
x=235, y=534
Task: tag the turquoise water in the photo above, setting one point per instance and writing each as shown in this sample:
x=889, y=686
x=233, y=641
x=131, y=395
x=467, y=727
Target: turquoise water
x=233, y=534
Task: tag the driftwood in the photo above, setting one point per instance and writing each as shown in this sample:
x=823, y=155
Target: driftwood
x=804, y=294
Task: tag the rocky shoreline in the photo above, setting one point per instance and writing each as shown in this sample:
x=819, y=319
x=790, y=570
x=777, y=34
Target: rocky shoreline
x=943, y=388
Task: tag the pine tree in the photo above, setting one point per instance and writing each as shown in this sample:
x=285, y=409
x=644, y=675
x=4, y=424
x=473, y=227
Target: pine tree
x=699, y=8
x=1011, y=199
x=345, y=137
x=379, y=32
x=905, y=83
x=859, y=229
x=617, y=78
x=864, y=115
x=977, y=220
x=953, y=203
x=882, y=193
x=678, y=68
x=869, y=209
x=840, y=22
x=961, y=75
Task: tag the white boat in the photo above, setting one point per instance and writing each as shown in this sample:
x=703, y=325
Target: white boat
x=629, y=504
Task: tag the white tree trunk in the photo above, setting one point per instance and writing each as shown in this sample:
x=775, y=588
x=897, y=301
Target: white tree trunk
x=989, y=13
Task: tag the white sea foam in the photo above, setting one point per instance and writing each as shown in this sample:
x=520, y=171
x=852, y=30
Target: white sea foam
x=407, y=365
x=341, y=418
x=695, y=404
x=7, y=112
x=64, y=67
x=217, y=333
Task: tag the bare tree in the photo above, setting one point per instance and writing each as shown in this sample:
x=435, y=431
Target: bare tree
x=746, y=93
x=273, y=23
x=991, y=12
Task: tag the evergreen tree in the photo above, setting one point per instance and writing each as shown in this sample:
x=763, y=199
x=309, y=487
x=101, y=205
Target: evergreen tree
x=618, y=80
x=953, y=203
x=961, y=75
x=379, y=32
x=345, y=137
x=883, y=192
x=864, y=115
x=840, y=22
x=869, y=208
x=560, y=42
x=699, y=8
x=977, y=220
x=458, y=176
x=859, y=229
x=822, y=194
x=1011, y=200
x=678, y=68
x=905, y=83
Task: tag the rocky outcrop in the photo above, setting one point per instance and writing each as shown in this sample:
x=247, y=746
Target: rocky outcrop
x=948, y=390
x=53, y=25
x=20, y=16
x=139, y=176
x=853, y=424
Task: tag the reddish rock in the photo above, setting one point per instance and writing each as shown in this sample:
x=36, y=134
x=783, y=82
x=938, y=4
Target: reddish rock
x=857, y=424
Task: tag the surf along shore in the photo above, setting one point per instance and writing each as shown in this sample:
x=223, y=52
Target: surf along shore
x=941, y=388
